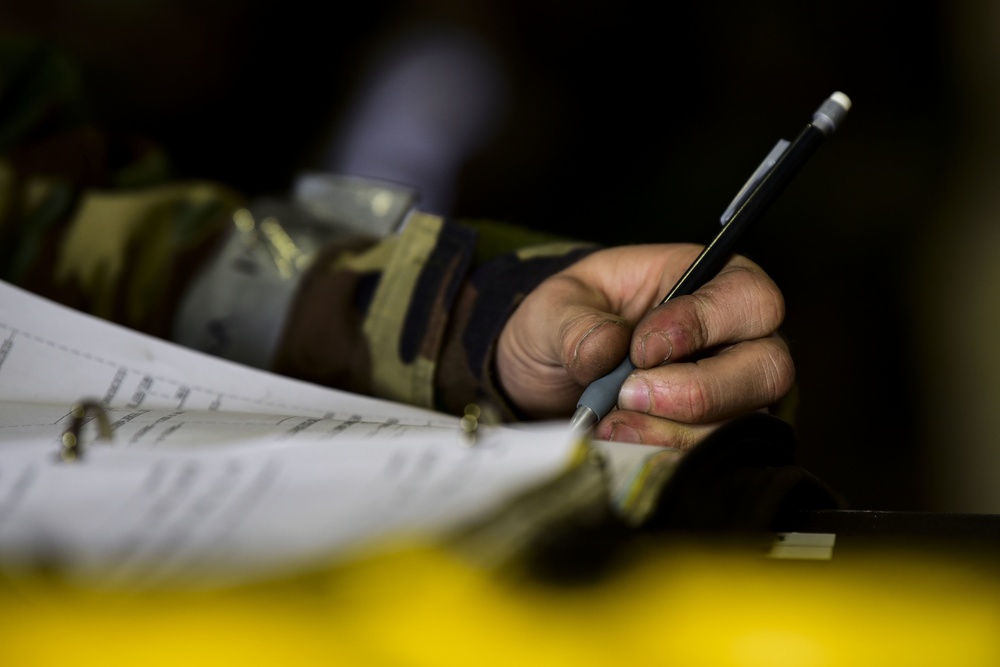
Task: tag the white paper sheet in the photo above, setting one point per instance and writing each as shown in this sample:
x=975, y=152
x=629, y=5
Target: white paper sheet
x=219, y=472
x=52, y=354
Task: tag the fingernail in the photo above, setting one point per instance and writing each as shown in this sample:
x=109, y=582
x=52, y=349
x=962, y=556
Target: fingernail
x=591, y=330
x=625, y=433
x=634, y=395
x=656, y=349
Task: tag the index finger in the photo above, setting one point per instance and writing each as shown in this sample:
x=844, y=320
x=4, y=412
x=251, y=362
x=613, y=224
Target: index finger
x=740, y=303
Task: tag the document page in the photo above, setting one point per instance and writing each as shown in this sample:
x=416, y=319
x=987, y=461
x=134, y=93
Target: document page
x=189, y=496
x=215, y=472
x=52, y=354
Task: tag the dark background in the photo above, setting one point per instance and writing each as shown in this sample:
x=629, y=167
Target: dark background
x=623, y=125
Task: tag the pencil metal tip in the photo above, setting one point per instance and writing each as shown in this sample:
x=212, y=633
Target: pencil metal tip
x=583, y=419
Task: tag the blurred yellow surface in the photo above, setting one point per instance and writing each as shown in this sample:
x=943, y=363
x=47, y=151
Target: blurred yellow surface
x=424, y=606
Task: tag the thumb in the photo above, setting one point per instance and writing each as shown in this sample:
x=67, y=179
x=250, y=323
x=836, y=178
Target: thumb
x=594, y=342
x=560, y=338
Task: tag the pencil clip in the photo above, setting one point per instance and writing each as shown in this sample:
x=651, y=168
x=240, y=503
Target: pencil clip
x=71, y=447
x=755, y=178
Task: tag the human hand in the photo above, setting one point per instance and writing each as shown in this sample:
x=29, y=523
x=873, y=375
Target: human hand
x=701, y=359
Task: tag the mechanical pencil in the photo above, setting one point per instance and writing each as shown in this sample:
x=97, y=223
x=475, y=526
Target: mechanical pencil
x=783, y=162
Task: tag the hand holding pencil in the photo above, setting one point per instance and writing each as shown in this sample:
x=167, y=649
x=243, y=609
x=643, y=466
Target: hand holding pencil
x=709, y=351
x=701, y=359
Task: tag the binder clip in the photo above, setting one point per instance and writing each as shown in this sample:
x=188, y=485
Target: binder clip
x=71, y=447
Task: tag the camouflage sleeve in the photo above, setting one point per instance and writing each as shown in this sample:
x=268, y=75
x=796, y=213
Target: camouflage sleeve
x=94, y=221
x=416, y=317
x=90, y=218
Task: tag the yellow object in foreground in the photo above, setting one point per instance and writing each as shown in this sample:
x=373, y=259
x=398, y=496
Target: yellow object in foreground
x=423, y=606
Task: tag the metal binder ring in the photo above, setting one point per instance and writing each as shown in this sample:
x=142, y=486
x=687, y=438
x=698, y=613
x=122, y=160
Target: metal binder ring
x=71, y=447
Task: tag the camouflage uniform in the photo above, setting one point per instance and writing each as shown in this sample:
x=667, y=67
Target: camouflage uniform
x=92, y=220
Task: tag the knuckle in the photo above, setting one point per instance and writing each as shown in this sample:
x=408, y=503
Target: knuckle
x=699, y=330
x=686, y=439
x=684, y=398
x=772, y=304
x=697, y=403
x=761, y=304
x=778, y=371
